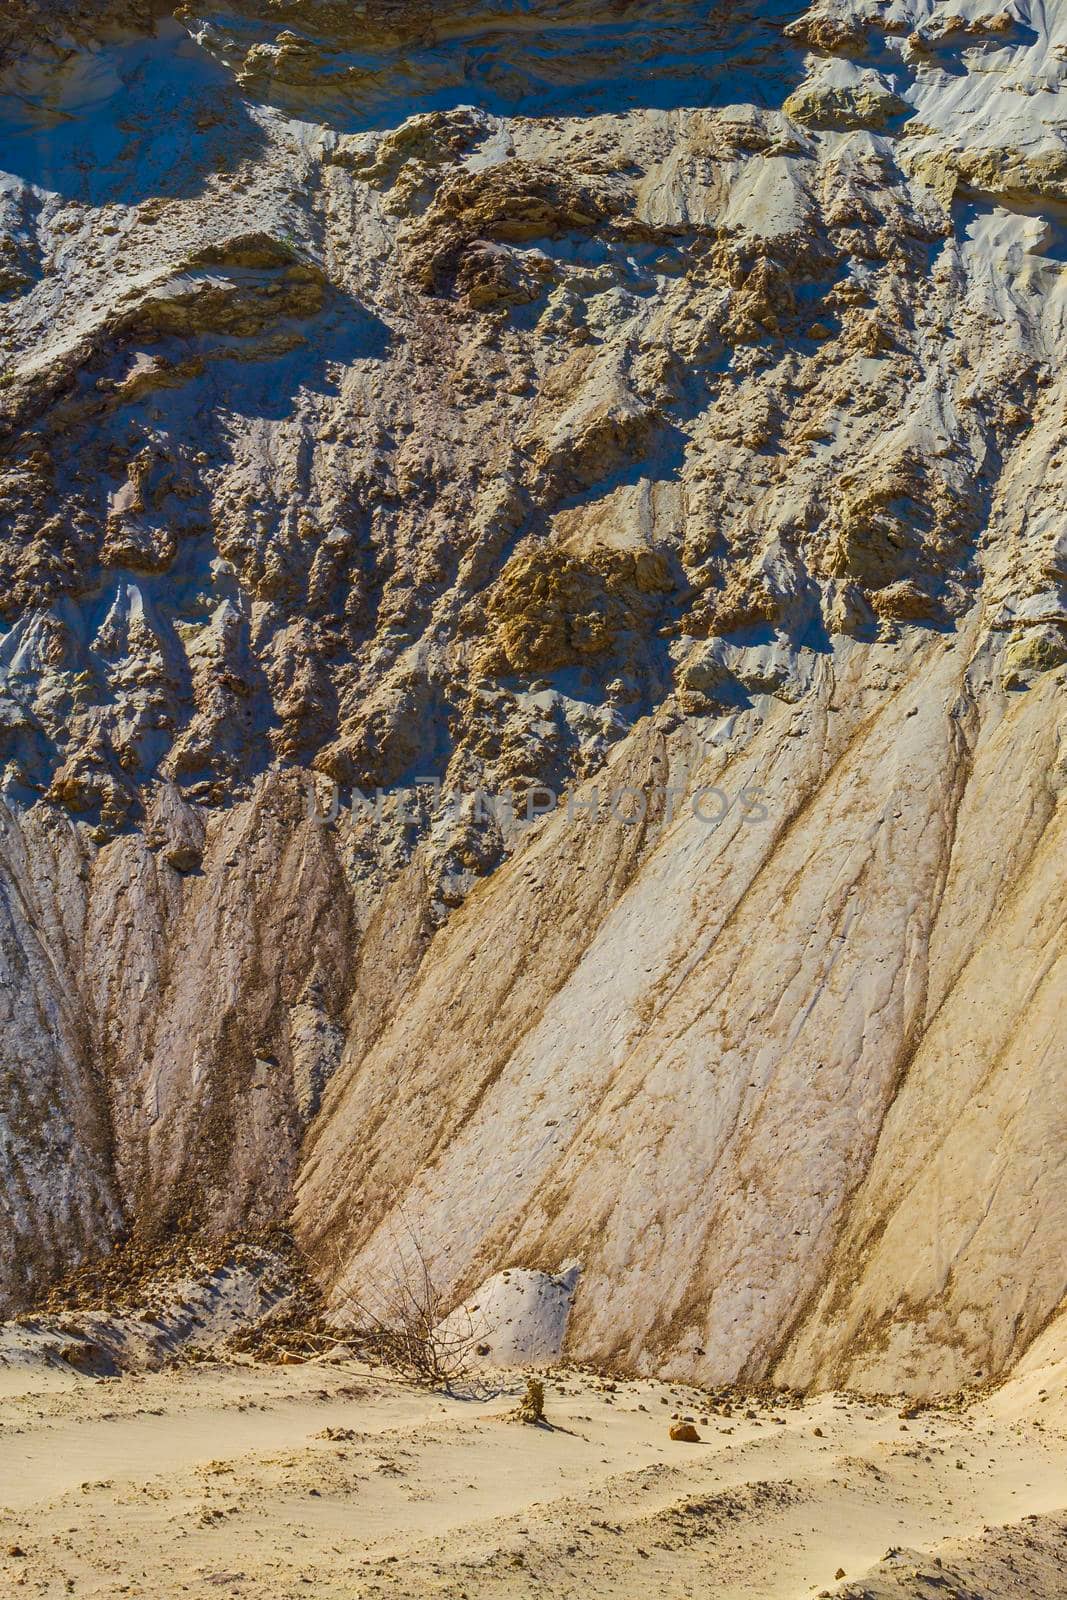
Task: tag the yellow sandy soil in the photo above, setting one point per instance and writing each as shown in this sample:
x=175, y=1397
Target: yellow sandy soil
x=334, y=1481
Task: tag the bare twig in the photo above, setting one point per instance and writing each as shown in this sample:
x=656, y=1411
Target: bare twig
x=402, y=1317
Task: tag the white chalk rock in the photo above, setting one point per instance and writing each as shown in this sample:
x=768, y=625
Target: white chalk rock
x=517, y=1318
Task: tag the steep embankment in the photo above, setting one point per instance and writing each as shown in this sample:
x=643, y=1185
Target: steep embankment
x=623, y=398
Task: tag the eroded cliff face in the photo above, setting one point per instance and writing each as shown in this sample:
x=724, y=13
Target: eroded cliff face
x=579, y=400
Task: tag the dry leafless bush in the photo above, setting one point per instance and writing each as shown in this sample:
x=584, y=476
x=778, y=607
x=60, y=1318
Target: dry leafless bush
x=402, y=1318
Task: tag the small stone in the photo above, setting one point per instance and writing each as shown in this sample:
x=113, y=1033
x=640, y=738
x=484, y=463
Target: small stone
x=840, y=1573
x=532, y=1405
x=184, y=858
x=685, y=1433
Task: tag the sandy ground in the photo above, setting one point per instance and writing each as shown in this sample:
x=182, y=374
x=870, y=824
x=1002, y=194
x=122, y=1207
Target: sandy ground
x=334, y=1481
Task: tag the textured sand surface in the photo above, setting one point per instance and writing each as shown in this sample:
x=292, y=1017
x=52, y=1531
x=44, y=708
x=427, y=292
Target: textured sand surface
x=330, y=1481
